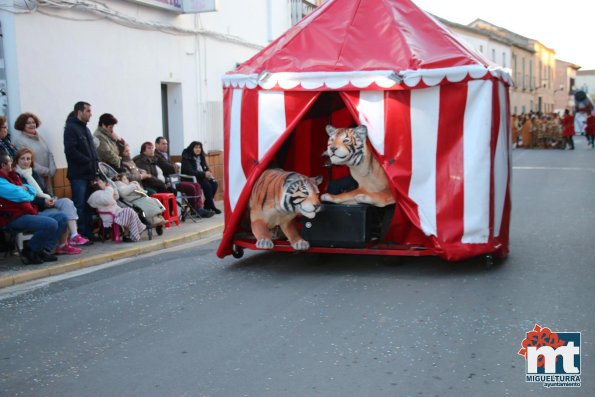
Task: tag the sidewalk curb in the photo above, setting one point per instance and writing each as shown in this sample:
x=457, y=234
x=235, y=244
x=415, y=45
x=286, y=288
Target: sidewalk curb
x=99, y=259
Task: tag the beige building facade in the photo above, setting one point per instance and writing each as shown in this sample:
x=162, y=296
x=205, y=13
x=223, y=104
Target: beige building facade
x=543, y=80
x=521, y=95
x=533, y=70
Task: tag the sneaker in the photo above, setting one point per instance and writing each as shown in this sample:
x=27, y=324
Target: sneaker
x=78, y=240
x=67, y=249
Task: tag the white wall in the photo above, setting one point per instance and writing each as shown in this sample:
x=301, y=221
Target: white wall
x=54, y=62
x=479, y=44
x=503, y=54
x=249, y=19
x=586, y=82
x=484, y=46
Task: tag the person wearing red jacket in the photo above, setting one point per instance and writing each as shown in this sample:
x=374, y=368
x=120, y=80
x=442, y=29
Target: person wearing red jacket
x=568, y=132
x=590, y=129
x=17, y=213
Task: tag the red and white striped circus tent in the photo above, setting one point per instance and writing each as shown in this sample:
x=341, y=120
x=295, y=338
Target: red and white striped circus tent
x=437, y=115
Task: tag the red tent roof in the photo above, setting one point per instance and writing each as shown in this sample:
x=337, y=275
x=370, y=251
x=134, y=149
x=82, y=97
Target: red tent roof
x=363, y=35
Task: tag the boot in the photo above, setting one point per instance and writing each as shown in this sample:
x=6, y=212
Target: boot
x=204, y=213
x=32, y=257
x=46, y=256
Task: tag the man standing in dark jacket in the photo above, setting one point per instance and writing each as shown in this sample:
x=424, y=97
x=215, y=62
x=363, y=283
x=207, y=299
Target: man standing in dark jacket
x=82, y=160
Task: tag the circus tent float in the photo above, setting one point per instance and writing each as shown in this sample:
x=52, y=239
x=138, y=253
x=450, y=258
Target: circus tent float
x=437, y=115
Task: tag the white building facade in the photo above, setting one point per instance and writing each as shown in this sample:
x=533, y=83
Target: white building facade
x=155, y=68
x=585, y=81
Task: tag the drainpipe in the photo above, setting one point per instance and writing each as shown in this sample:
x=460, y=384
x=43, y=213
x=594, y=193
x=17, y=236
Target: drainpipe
x=9, y=76
x=269, y=20
x=3, y=86
x=200, y=75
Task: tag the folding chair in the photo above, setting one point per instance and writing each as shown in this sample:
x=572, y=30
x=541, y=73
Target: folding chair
x=187, y=211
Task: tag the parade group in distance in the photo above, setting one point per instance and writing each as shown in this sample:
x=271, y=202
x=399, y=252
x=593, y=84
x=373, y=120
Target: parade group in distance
x=552, y=131
x=107, y=186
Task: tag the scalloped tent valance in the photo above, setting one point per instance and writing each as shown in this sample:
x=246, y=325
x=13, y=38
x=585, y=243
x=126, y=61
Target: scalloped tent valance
x=381, y=79
x=364, y=44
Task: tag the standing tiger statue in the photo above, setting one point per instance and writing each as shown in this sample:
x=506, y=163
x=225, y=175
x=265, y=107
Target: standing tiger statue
x=347, y=146
x=277, y=198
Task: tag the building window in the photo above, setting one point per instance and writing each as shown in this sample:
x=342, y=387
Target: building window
x=549, y=76
x=524, y=74
x=503, y=59
x=481, y=48
x=531, y=82
x=540, y=73
x=493, y=55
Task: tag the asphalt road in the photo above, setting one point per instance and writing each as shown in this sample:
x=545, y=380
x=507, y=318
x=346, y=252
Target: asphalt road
x=184, y=323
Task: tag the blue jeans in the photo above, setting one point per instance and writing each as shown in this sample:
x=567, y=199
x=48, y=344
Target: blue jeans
x=80, y=195
x=46, y=228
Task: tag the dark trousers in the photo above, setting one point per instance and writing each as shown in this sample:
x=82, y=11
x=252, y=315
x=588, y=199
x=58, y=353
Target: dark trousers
x=209, y=188
x=80, y=195
x=155, y=184
x=568, y=141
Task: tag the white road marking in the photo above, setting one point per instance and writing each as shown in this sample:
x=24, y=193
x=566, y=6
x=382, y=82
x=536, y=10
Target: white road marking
x=555, y=168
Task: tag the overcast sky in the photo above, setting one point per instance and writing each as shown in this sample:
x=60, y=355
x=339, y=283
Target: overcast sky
x=564, y=28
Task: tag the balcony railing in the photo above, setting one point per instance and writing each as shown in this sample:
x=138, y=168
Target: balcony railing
x=300, y=8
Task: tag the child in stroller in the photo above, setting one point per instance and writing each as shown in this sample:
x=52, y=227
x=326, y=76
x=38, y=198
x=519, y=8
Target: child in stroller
x=103, y=198
x=131, y=194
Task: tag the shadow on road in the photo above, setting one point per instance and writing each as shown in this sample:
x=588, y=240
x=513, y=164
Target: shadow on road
x=373, y=265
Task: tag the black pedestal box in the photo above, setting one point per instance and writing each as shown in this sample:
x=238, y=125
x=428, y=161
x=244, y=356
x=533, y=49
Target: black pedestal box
x=342, y=226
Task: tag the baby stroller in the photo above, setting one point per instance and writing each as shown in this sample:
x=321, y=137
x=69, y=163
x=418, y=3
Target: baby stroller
x=110, y=174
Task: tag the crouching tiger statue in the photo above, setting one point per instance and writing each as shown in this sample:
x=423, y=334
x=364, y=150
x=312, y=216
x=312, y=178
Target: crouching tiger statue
x=347, y=146
x=277, y=198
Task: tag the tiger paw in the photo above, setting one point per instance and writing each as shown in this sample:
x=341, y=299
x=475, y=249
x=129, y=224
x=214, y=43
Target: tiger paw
x=300, y=245
x=326, y=197
x=363, y=199
x=264, y=244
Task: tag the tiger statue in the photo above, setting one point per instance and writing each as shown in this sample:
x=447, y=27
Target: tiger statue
x=347, y=146
x=277, y=198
